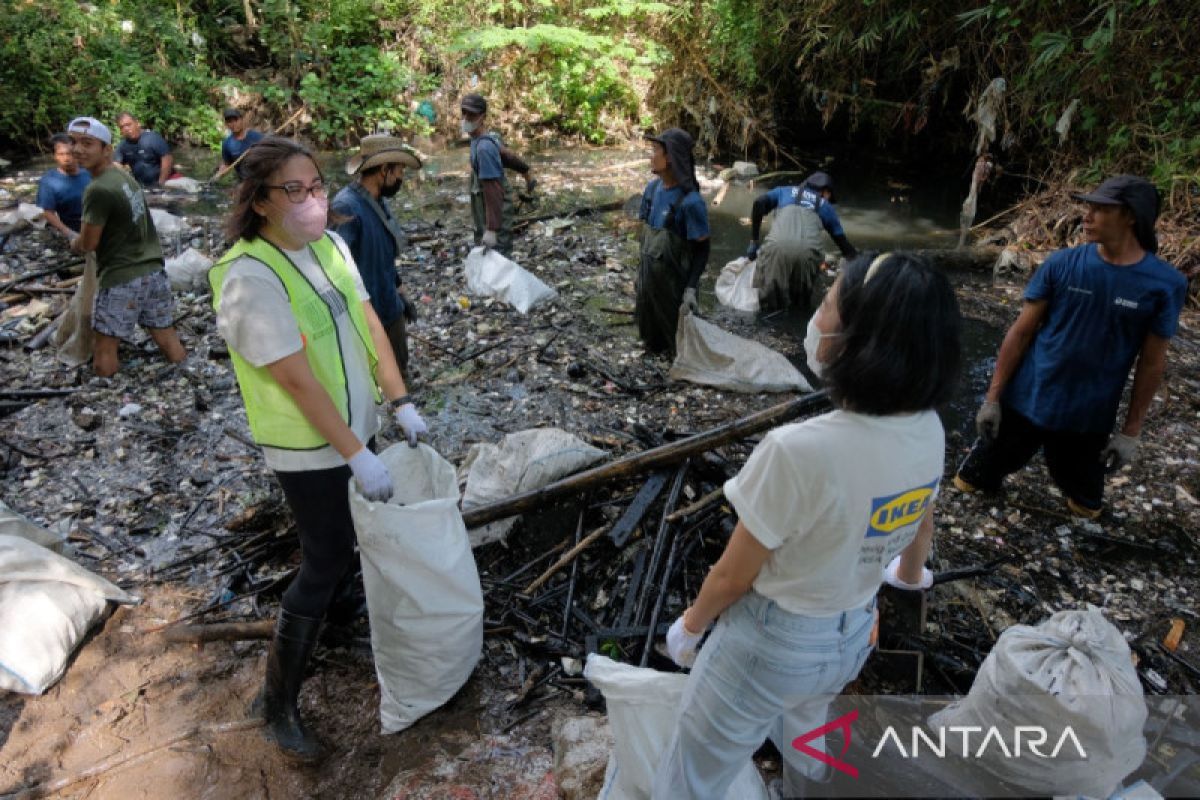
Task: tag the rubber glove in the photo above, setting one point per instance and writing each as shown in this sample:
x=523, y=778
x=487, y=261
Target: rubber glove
x=689, y=304
x=410, y=311
x=987, y=421
x=682, y=643
x=410, y=422
x=372, y=475
x=1119, y=451
x=488, y=241
x=892, y=579
x=752, y=251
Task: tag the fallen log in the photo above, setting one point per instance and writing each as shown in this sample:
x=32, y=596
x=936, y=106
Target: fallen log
x=567, y=558
x=221, y=632
x=974, y=259
x=638, y=463
x=613, y=205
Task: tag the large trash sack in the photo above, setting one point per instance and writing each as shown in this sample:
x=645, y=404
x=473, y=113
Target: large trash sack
x=74, y=337
x=23, y=214
x=523, y=461
x=707, y=355
x=490, y=274
x=188, y=270
x=166, y=223
x=735, y=285
x=643, y=705
x=14, y=524
x=790, y=259
x=47, y=605
x=423, y=593
x=1073, y=670
x=184, y=184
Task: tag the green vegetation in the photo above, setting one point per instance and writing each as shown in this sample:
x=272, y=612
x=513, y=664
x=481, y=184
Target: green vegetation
x=744, y=75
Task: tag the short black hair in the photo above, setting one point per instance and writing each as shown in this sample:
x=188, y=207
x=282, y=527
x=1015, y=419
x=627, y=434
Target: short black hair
x=901, y=336
x=57, y=139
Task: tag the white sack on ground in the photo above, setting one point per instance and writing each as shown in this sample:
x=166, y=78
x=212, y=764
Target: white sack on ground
x=185, y=184
x=707, y=355
x=47, y=605
x=735, y=285
x=14, y=524
x=492, y=275
x=523, y=461
x=1073, y=670
x=24, y=214
x=423, y=593
x=166, y=223
x=643, y=705
x=188, y=270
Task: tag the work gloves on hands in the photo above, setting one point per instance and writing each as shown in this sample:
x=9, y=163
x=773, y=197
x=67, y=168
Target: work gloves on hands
x=689, y=305
x=409, y=311
x=752, y=251
x=488, y=241
x=374, y=481
x=682, y=644
x=1119, y=451
x=410, y=422
x=987, y=421
x=892, y=579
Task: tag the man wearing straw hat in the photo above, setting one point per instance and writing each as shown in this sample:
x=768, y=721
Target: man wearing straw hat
x=371, y=232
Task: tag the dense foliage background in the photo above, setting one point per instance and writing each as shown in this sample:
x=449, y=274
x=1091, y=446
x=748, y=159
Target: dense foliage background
x=1089, y=85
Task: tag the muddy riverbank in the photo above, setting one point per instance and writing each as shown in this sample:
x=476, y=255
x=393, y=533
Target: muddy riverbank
x=147, y=491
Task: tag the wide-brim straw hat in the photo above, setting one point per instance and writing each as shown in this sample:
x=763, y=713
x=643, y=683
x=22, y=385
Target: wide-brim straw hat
x=382, y=148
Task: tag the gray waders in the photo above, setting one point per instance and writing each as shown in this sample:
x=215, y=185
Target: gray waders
x=790, y=259
x=662, y=277
x=504, y=236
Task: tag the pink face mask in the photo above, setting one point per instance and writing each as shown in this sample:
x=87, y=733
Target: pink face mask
x=305, y=222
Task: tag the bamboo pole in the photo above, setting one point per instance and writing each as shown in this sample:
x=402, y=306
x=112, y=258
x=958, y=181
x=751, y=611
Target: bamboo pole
x=658, y=457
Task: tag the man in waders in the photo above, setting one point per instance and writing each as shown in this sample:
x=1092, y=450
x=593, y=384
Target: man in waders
x=372, y=234
x=675, y=241
x=491, y=196
x=792, y=255
x=1090, y=314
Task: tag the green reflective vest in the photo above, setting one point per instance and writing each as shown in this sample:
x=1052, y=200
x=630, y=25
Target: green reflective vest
x=275, y=419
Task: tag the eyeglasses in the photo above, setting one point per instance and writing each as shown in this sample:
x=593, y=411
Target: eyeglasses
x=297, y=192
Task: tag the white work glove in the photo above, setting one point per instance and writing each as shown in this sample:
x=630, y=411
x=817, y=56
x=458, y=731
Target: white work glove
x=410, y=422
x=987, y=421
x=689, y=304
x=488, y=241
x=892, y=579
x=374, y=481
x=682, y=644
x=1119, y=451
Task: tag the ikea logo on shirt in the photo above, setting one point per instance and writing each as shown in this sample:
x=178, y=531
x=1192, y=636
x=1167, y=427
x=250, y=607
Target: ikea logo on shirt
x=896, y=511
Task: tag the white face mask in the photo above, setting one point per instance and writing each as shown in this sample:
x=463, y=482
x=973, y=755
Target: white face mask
x=468, y=127
x=812, y=343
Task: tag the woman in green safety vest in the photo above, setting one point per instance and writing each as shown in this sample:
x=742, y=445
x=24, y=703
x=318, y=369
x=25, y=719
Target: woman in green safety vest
x=312, y=361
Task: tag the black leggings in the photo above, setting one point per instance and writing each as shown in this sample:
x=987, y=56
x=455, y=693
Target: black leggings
x=320, y=504
x=1072, y=458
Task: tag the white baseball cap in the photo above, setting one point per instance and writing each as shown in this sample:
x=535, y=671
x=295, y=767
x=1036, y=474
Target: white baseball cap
x=90, y=126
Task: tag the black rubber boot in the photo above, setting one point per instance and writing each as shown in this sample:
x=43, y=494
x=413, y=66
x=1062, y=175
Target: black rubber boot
x=295, y=637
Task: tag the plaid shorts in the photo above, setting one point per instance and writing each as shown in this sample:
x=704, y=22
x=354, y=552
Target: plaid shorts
x=145, y=301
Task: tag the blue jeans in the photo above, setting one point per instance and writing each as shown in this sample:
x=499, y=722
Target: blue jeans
x=763, y=672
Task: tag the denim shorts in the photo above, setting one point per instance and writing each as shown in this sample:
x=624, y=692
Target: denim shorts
x=763, y=673
x=146, y=300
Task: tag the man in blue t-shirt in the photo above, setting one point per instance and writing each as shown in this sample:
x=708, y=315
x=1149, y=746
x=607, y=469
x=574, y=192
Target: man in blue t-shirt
x=60, y=190
x=675, y=243
x=372, y=234
x=240, y=139
x=143, y=152
x=794, y=250
x=1091, y=312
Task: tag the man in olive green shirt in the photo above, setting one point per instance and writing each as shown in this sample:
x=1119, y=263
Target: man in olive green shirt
x=117, y=226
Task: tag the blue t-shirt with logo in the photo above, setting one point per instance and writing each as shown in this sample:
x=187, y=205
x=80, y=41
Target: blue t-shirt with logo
x=485, y=157
x=691, y=214
x=63, y=194
x=1097, y=318
x=232, y=148
x=782, y=196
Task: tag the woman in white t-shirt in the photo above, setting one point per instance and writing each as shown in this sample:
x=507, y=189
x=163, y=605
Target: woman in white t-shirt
x=828, y=508
x=312, y=360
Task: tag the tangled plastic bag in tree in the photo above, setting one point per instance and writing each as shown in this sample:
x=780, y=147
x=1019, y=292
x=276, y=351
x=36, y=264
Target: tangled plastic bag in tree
x=1072, y=671
x=423, y=592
